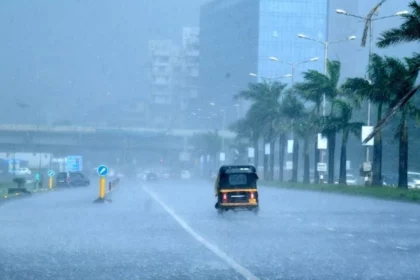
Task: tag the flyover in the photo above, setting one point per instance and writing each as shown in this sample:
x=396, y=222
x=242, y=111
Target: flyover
x=68, y=139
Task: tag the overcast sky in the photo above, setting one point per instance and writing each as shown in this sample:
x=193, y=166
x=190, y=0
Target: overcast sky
x=92, y=51
x=82, y=48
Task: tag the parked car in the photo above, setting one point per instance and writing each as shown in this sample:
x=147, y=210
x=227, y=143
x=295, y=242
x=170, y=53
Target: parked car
x=185, y=174
x=151, y=176
x=390, y=180
x=72, y=179
x=413, y=179
x=22, y=171
x=351, y=180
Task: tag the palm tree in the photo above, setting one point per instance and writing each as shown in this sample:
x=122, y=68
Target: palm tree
x=306, y=128
x=309, y=93
x=409, y=30
x=379, y=92
x=292, y=110
x=344, y=111
x=207, y=144
x=403, y=75
x=245, y=129
x=315, y=85
x=263, y=114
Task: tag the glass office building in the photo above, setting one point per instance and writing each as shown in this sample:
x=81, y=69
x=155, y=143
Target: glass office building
x=238, y=37
x=279, y=23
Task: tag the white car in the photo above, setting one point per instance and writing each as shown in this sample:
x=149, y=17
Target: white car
x=142, y=176
x=351, y=180
x=185, y=174
x=413, y=179
x=23, y=171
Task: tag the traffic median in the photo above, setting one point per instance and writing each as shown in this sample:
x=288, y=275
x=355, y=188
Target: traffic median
x=388, y=193
x=106, y=187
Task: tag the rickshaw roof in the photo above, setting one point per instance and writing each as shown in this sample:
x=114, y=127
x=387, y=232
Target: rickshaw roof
x=237, y=169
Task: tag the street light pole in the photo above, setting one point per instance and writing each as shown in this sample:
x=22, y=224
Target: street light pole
x=325, y=44
x=370, y=20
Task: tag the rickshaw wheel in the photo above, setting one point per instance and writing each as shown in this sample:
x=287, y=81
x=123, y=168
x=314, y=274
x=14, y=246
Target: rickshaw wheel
x=256, y=210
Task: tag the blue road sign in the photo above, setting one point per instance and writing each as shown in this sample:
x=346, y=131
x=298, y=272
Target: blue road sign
x=51, y=173
x=74, y=163
x=102, y=170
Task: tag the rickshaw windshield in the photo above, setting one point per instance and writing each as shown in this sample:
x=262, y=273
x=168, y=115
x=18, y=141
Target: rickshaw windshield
x=238, y=181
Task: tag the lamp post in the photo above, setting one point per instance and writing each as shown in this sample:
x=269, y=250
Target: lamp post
x=237, y=110
x=326, y=44
x=270, y=79
x=293, y=65
x=369, y=20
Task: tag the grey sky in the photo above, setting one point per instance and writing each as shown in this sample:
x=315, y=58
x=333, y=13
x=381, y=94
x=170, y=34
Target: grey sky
x=57, y=53
x=82, y=49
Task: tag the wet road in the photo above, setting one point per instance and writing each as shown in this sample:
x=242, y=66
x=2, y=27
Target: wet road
x=171, y=231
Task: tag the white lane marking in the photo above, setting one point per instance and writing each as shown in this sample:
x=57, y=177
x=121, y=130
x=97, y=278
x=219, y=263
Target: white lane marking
x=218, y=252
x=314, y=224
x=373, y=241
x=299, y=220
x=413, y=220
x=330, y=229
x=402, y=248
x=349, y=235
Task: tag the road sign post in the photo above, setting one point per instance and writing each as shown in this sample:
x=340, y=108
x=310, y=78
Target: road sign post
x=102, y=172
x=102, y=184
x=51, y=174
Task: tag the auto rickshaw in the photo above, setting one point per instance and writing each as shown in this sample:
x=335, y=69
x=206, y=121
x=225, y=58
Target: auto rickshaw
x=236, y=188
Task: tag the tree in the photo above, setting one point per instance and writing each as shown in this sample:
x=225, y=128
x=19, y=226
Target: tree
x=379, y=92
x=248, y=128
x=403, y=75
x=315, y=85
x=207, y=143
x=263, y=114
x=305, y=128
x=292, y=111
x=309, y=92
x=344, y=111
x=408, y=31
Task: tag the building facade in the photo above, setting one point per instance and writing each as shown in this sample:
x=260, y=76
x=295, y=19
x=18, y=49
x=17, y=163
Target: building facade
x=238, y=37
x=173, y=79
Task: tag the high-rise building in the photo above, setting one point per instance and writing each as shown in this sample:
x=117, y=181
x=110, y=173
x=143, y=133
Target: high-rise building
x=173, y=79
x=238, y=36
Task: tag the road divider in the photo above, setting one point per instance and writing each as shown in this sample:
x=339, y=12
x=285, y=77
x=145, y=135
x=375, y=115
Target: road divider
x=105, y=193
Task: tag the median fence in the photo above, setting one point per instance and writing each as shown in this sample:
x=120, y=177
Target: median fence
x=105, y=190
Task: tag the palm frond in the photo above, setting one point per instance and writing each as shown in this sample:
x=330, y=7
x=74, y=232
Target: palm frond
x=359, y=87
x=356, y=128
x=408, y=31
x=334, y=70
x=368, y=21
